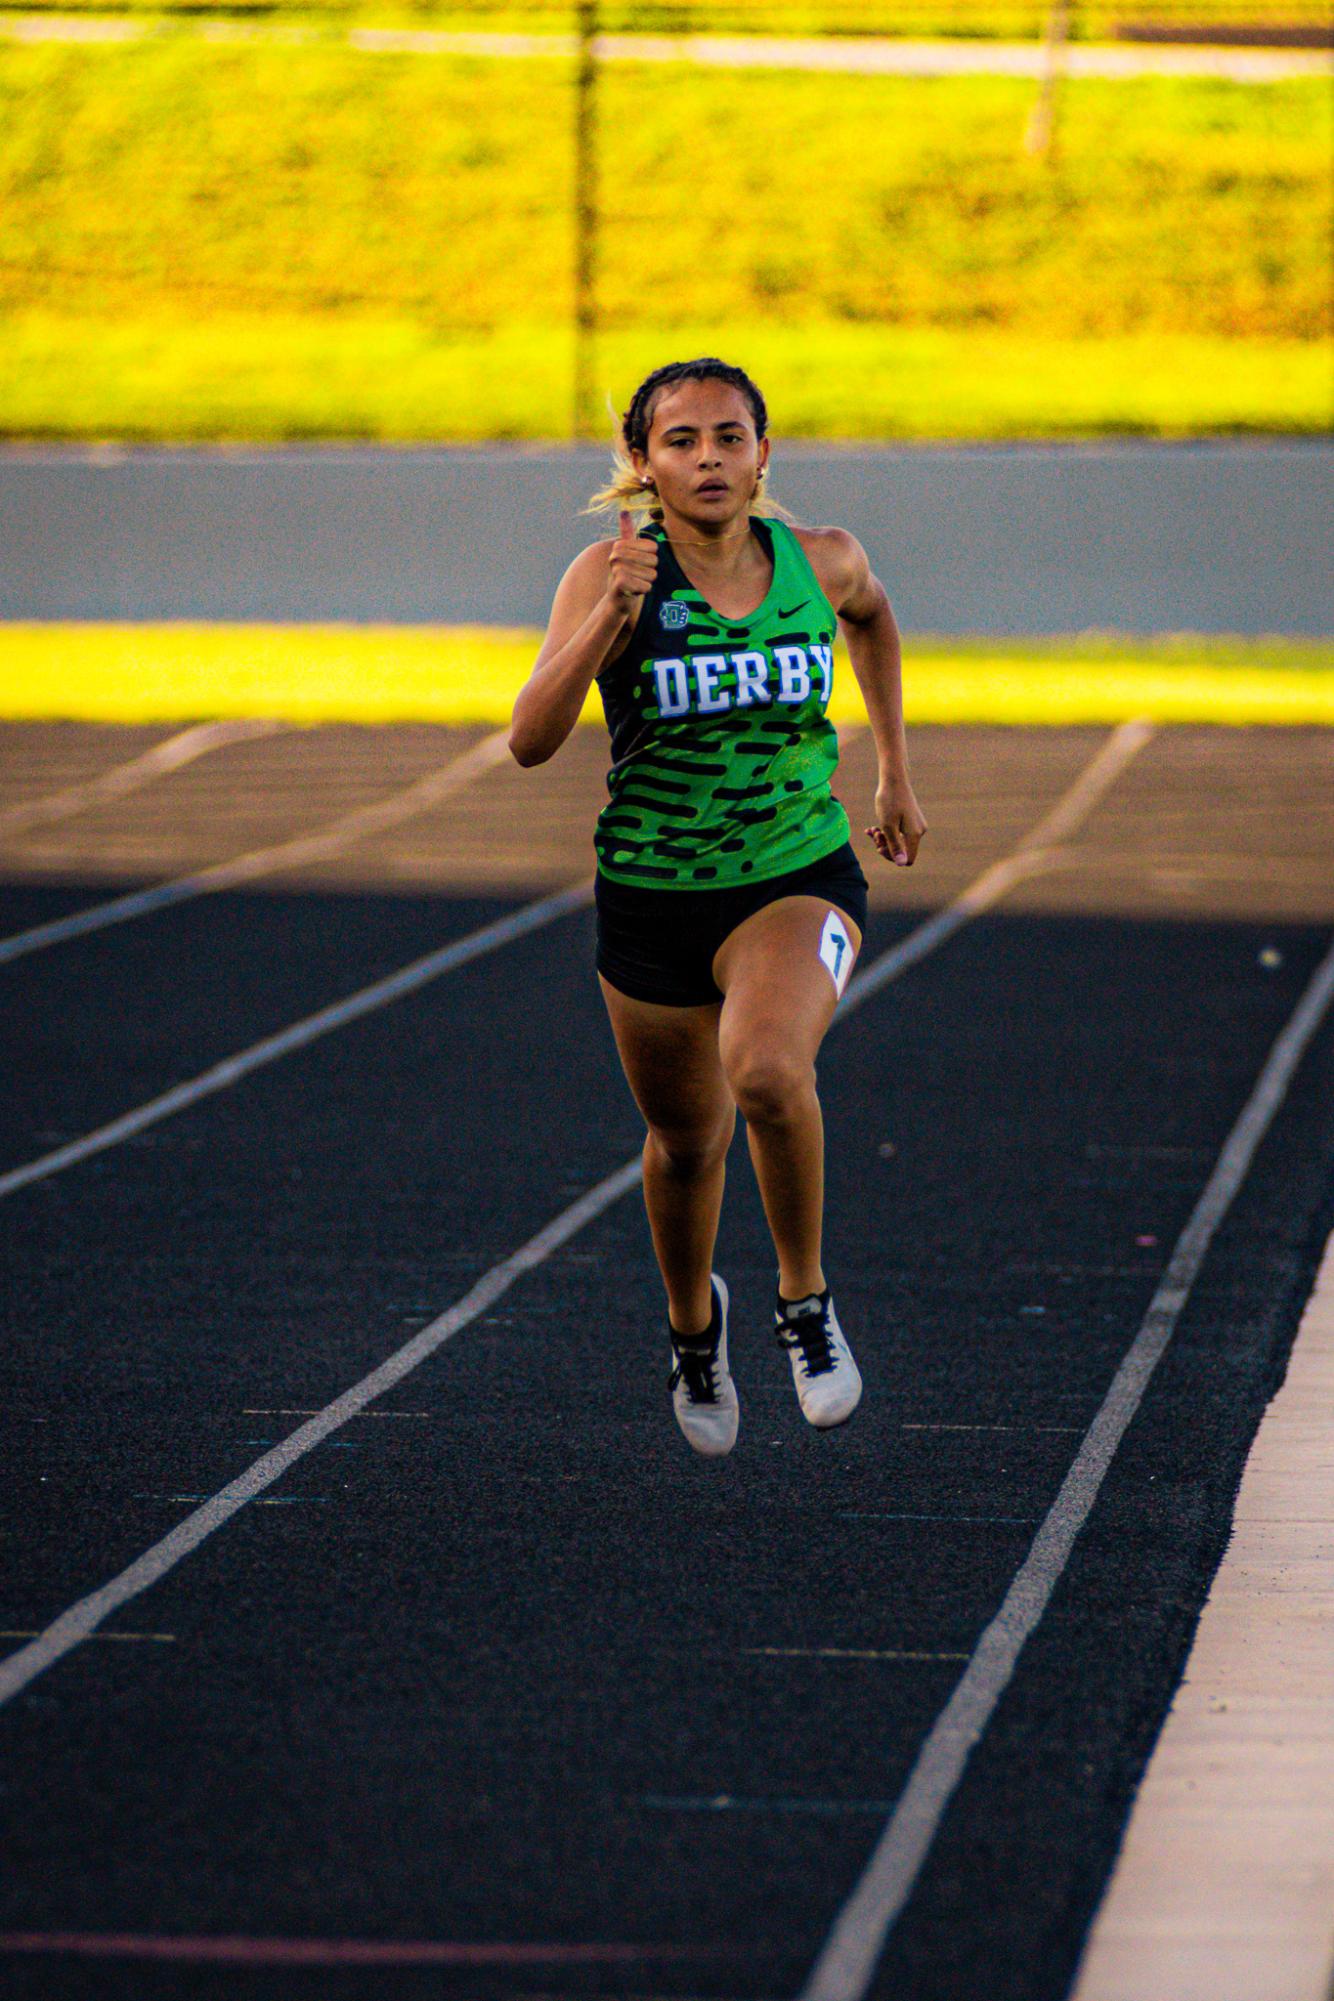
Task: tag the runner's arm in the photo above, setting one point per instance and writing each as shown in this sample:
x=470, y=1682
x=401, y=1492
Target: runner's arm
x=595, y=608
x=872, y=636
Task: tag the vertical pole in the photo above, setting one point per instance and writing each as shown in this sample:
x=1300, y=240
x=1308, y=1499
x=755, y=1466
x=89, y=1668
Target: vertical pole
x=1042, y=124
x=585, y=222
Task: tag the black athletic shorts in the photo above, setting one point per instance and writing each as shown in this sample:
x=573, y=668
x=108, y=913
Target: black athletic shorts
x=659, y=944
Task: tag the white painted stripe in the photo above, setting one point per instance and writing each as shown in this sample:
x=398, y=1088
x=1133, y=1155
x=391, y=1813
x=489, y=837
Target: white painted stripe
x=301, y=1034
x=1039, y=850
x=518, y=924
x=387, y=812
x=847, y=1962
x=330, y=840
x=75, y=1625
x=82, y=1619
x=163, y=757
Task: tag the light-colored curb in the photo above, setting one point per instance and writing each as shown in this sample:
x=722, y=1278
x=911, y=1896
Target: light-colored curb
x=865, y=56
x=1224, y=1890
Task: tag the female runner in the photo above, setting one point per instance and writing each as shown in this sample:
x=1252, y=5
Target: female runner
x=730, y=903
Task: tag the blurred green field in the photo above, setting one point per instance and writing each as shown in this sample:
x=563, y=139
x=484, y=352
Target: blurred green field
x=471, y=674
x=203, y=240
x=237, y=377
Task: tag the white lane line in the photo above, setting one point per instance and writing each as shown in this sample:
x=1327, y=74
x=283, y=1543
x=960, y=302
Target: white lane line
x=83, y=1618
x=170, y=755
x=1033, y=851
x=407, y=980
x=1038, y=851
x=301, y=1034
x=332, y=839
x=80, y=1620
x=847, y=1962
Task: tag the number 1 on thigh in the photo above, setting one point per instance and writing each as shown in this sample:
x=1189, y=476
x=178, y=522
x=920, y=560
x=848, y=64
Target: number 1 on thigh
x=836, y=951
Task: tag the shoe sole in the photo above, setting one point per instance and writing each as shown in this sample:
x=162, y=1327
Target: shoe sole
x=832, y=1423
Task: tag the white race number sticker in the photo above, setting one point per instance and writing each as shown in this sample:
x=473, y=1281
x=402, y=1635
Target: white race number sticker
x=836, y=950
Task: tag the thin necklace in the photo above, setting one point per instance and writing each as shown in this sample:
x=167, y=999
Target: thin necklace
x=710, y=542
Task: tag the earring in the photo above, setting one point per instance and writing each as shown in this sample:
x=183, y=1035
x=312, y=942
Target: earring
x=644, y=480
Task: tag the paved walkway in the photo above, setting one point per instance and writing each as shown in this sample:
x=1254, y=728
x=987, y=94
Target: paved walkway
x=1225, y=1886
x=1130, y=536
x=869, y=57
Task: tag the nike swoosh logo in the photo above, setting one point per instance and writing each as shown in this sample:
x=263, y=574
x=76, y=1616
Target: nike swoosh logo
x=792, y=610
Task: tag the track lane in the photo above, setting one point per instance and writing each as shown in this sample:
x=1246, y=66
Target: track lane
x=181, y=1279
x=1080, y=798
x=1037, y=850
x=71, y=1629
x=300, y=851
x=527, y=1620
x=582, y=1670
x=300, y=1035
x=132, y=1014
x=847, y=1964
x=117, y=782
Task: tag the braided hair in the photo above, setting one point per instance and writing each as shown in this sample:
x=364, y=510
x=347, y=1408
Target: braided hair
x=624, y=489
x=638, y=419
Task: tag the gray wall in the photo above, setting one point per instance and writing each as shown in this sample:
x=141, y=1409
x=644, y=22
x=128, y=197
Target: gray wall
x=1211, y=537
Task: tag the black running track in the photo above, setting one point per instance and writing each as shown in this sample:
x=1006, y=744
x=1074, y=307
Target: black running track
x=503, y=1667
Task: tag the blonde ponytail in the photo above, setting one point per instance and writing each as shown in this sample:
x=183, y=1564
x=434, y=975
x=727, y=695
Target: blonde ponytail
x=625, y=488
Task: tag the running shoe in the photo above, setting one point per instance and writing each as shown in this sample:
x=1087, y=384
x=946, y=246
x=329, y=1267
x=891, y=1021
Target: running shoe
x=703, y=1393
x=829, y=1384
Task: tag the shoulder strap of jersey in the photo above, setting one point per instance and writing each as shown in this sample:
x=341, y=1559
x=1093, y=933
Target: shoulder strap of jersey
x=792, y=560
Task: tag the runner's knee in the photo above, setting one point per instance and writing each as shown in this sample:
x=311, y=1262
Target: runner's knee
x=769, y=1085
x=687, y=1152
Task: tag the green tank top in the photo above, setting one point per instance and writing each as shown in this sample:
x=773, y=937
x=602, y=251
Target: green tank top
x=722, y=754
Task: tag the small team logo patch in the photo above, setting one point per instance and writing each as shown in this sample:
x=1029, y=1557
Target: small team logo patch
x=675, y=617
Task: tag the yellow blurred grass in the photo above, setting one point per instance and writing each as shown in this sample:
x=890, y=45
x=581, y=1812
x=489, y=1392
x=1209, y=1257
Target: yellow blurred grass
x=391, y=380
x=470, y=674
x=223, y=239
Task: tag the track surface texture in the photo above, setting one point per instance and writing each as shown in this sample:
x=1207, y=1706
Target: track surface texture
x=501, y=1667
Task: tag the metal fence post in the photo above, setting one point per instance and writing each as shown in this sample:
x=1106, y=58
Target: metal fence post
x=585, y=222
x=1042, y=124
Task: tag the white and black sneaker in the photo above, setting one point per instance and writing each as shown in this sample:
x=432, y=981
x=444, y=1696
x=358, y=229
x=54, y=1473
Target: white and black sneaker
x=703, y=1393
x=829, y=1384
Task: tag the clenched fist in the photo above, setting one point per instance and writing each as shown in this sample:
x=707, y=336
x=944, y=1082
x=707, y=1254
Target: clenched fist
x=633, y=566
x=899, y=825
